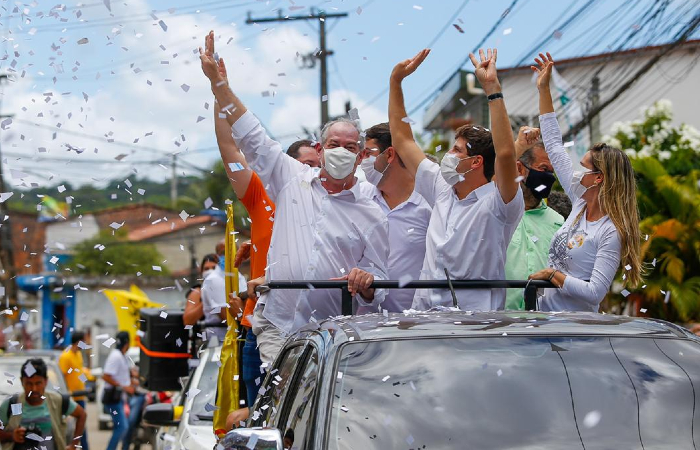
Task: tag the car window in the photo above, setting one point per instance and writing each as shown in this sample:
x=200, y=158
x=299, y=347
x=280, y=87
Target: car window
x=202, y=407
x=299, y=407
x=276, y=384
x=516, y=393
x=12, y=367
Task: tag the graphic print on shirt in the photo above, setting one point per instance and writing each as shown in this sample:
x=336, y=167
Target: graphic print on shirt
x=563, y=243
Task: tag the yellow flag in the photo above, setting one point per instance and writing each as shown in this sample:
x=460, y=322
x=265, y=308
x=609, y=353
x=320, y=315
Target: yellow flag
x=127, y=305
x=227, y=389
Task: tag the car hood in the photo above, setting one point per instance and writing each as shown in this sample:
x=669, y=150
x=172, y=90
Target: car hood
x=198, y=437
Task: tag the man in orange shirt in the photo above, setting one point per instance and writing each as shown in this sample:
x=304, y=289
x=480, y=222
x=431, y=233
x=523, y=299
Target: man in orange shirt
x=251, y=192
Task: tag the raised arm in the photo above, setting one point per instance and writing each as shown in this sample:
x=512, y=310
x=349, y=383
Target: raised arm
x=401, y=134
x=502, y=134
x=235, y=164
x=549, y=126
x=231, y=105
x=264, y=155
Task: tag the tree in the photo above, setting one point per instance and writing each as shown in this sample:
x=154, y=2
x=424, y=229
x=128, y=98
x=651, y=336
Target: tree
x=110, y=253
x=666, y=160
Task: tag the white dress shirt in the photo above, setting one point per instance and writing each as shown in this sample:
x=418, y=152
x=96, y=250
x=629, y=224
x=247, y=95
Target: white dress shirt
x=587, y=252
x=469, y=237
x=408, y=225
x=214, y=298
x=317, y=235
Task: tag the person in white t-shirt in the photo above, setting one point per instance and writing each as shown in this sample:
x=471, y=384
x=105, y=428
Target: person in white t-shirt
x=473, y=217
x=602, y=231
x=117, y=377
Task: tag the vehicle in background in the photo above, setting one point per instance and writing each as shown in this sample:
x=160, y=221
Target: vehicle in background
x=455, y=379
x=53, y=355
x=186, y=423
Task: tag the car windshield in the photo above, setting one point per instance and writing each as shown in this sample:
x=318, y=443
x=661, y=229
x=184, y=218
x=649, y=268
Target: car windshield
x=11, y=384
x=516, y=393
x=202, y=409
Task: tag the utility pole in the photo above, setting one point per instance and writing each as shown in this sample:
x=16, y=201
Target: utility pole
x=595, y=99
x=7, y=257
x=311, y=58
x=173, y=182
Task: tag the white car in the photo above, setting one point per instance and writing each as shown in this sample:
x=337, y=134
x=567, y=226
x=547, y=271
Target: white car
x=193, y=430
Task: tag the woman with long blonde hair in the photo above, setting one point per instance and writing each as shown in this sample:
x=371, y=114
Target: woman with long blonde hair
x=602, y=232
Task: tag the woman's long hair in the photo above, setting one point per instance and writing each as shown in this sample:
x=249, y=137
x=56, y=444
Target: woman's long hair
x=618, y=199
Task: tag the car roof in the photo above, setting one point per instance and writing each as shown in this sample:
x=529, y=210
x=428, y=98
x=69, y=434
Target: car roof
x=450, y=323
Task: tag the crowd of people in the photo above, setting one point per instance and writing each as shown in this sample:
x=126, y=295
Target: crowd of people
x=486, y=211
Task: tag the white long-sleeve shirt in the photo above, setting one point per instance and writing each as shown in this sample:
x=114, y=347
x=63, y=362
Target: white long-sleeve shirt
x=587, y=252
x=408, y=225
x=317, y=235
x=469, y=237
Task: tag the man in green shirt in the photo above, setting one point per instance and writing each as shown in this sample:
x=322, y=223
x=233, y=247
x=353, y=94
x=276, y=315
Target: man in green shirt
x=528, y=250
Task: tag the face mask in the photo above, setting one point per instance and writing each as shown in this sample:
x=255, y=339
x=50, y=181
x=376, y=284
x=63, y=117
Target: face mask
x=373, y=175
x=577, y=189
x=339, y=162
x=448, y=168
x=206, y=273
x=538, y=178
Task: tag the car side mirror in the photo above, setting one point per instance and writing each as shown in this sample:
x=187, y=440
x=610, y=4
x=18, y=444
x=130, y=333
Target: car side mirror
x=252, y=438
x=161, y=415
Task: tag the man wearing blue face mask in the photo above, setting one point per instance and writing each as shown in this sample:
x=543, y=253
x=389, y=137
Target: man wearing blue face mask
x=473, y=218
x=390, y=185
x=324, y=226
x=528, y=250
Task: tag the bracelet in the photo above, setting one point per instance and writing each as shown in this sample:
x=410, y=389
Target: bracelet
x=495, y=96
x=551, y=277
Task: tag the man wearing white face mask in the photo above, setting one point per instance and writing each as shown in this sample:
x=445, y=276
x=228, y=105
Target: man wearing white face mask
x=473, y=218
x=390, y=185
x=324, y=226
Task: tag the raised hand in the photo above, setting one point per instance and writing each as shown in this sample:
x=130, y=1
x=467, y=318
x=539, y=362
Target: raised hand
x=408, y=66
x=544, y=70
x=527, y=137
x=210, y=67
x=485, y=70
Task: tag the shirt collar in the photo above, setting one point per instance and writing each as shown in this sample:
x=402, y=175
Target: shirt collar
x=354, y=191
x=481, y=192
x=414, y=198
x=538, y=210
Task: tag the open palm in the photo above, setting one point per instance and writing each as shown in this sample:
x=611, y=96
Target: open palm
x=408, y=66
x=543, y=69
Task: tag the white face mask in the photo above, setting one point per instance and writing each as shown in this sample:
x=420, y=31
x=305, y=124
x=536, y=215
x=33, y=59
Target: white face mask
x=577, y=189
x=373, y=175
x=448, y=168
x=339, y=162
x=206, y=273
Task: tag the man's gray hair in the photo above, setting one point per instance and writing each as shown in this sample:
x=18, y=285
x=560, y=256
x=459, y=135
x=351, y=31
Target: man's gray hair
x=354, y=123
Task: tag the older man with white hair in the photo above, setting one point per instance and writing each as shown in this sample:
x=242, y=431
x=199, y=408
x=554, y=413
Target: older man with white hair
x=324, y=226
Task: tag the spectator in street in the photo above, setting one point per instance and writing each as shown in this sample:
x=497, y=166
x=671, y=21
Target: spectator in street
x=602, y=232
x=75, y=373
x=350, y=235
x=390, y=185
x=193, y=307
x=36, y=418
x=473, y=217
x=529, y=248
x=136, y=401
x=221, y=253
x=117, y=378
x=304, y=152
x=560, y=202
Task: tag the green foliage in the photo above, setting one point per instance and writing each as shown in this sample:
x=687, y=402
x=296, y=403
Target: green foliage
x=666, y=160
x=118, y=257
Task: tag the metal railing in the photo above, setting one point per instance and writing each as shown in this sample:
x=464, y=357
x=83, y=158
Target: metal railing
x=530, y=287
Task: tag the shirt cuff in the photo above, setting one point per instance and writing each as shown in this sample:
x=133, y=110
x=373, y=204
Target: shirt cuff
x=244, y=125
x=379, y=295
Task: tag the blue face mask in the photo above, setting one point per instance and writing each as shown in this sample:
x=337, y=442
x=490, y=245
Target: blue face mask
x=222, y=262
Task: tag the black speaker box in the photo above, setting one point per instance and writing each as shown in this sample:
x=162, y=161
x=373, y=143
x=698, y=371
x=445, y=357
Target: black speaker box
x=163, y=361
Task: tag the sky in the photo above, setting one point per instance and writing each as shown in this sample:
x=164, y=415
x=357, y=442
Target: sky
x=109, y=89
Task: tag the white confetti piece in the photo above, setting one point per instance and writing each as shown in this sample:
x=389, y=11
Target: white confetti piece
x=208, y=203
x=499, y=372
x=184, y=215
x=29, y=370
x=628, y=267
x=540, y=188
x=5, y=195
x=163, y=314
x=109, y=342
x=519, y=179
x=16, y=409
x=83, y=41
x=418, y=7
x=386, y=378
x=235, y=167
x=642, y=310
x=507, y=31
x=625, y=292
x=568, y=144
x=404, y=280
x=592, y=419
x=157, y=268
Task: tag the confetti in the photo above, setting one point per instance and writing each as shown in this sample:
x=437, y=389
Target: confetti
x=4, y=196
x=568, y=144
x=16, y=409
x=591, y=419
x=109, y=342
x=458, y=28
x=540, y=188
x=625, y=292
x=235, y=167
x=499, y=372
x=29, y=370
x=386, y=378
x=643, y=310
x=418, y=7
x=507, y=31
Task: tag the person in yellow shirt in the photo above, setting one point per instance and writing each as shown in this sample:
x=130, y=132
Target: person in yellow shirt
x=75, y=374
